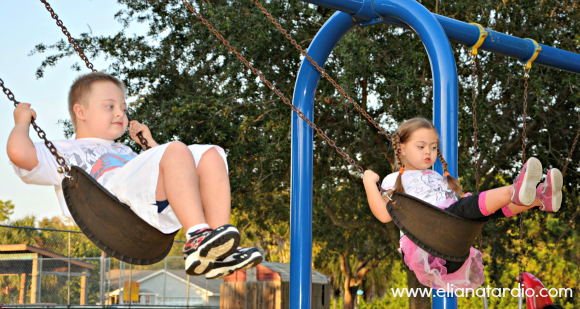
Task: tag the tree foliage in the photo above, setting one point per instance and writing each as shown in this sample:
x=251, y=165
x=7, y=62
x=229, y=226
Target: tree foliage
x=6, y=209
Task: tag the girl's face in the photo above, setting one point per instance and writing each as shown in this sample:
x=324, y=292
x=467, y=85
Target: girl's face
x=420, y=150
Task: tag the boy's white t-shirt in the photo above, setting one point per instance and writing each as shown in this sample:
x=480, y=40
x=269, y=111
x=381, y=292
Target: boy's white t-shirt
x=426, y=185
x=94, y=155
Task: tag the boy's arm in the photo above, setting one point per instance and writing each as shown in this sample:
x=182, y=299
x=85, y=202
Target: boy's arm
x=377, y=203
x=136, y=127
x=20, y=148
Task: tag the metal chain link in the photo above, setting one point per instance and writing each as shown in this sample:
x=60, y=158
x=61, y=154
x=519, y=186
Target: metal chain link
x=474, y=106
x=274, y=89
x=70, y=39
x=64, y=168
x=526, y=78
x=476, y=153
x=522, y=253
x=321, y=70
x=89, y=65
x=577, y=208
x=570, y=154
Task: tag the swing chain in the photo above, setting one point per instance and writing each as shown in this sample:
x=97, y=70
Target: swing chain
x=322, y=71
x=570, y=154
x=520, y=260
x=526, y=83
x=64, y=168
x=476, y=153
x=474, y=105
x=275, y=90
x=70, y=39
x=85, y=59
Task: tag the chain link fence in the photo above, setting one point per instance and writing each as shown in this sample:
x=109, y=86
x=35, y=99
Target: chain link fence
x=49, y=267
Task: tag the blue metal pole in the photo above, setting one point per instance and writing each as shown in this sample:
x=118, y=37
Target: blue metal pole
x=443, y=300
x=445, y=85
x=301, y=177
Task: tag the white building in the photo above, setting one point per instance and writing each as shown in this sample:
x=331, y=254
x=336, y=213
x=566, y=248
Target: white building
x=160, y=287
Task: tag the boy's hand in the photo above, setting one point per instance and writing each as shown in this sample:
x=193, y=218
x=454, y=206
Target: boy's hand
x=23, y=113
x=370, y=177
x=137, y=127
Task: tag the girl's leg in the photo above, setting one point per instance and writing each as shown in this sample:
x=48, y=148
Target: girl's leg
x=525, y=184
x=496, y=199
x=214, y=187
x=178, y=183
x=516, y=209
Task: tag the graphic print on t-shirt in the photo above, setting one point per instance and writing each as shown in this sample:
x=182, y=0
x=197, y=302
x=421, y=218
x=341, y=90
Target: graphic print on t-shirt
x=108, y=162
x=437, y=185
x=426, y=185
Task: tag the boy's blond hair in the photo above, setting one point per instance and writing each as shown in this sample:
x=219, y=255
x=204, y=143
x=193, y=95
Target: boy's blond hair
x=82, y=86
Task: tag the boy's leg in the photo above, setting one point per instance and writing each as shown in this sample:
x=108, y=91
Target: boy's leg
x=178, y=183
x=214, y=187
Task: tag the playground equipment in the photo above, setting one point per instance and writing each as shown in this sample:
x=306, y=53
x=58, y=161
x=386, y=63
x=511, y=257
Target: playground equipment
x=431, y=30
x=435, y=31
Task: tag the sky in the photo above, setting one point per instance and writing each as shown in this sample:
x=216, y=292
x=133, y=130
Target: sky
x=24, y=24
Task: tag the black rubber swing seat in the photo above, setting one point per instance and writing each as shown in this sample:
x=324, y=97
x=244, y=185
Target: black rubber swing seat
x=440, y=233
x=111, y=225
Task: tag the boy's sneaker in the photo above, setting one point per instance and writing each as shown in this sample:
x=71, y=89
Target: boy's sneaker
x=549, y=193
x=525, y=183
x=242, y=258
x=207, y=245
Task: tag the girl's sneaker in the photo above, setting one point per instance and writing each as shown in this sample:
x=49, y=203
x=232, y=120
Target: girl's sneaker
x=549, y=193
x=242, y=258
x=206, y=246
x=525, y=183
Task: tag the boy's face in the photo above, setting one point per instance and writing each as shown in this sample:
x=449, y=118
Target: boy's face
x=420, y=150
x=104, y=112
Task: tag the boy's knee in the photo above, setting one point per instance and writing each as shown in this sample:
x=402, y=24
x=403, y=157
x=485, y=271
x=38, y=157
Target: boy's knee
x=177, y=146
x=178, y=149
x=211, y=156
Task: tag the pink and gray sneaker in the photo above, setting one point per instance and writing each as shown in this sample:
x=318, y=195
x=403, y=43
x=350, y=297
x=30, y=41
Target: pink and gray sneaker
x=525, y=183
x=549, y=193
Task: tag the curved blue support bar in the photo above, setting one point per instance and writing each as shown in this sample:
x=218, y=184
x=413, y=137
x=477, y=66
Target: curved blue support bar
x=301, y=177
x=347, y=6
x=445, y=84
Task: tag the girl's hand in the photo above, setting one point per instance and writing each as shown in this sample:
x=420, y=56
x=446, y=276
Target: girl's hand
x=23, y=113
x=136, y=127
x=371, y=177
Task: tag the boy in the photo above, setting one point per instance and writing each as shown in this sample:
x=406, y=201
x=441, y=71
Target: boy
x=168, y=186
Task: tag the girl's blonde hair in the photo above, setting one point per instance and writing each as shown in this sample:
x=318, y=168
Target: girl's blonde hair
x=401, y=136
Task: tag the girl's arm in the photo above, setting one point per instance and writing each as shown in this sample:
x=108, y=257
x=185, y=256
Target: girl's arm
x=20, y=148
x=377, y=203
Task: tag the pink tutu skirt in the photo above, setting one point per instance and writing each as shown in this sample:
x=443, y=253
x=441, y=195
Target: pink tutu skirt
x=431, y=271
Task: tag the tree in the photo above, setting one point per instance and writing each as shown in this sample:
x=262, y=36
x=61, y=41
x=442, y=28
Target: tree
x=6, y=209
x=191, y=89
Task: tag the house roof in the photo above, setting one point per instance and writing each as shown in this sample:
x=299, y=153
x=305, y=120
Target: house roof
x=143, y=275
x=283, y=269
x=21, y=255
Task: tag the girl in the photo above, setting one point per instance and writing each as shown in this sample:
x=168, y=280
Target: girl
x=416, y=149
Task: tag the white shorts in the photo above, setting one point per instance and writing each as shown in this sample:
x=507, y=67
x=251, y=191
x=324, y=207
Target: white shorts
x=135, y=183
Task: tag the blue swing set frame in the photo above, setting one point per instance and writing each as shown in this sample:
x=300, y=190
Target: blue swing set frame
x=435, y=31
